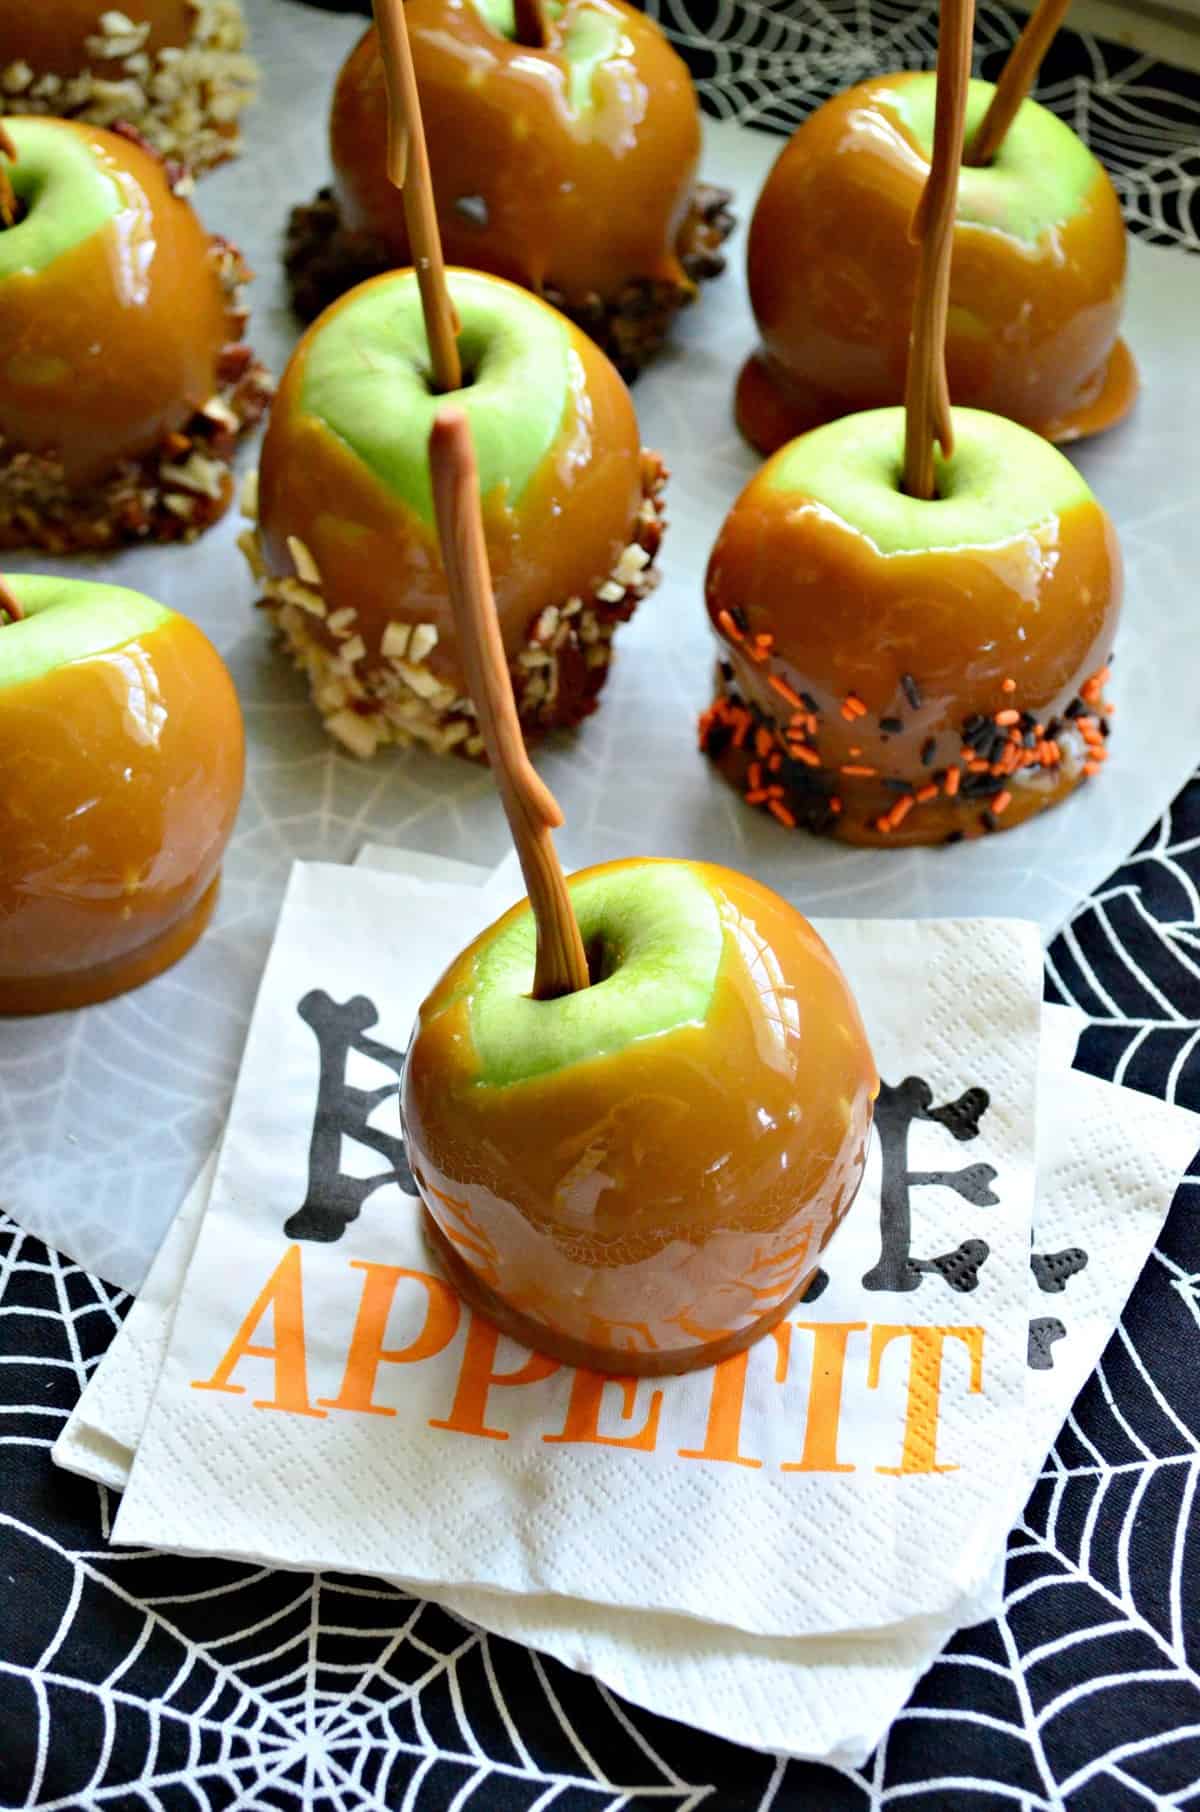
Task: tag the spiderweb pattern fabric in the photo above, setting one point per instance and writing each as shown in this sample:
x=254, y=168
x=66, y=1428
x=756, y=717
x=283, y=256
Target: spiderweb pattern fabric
x=768, y=65
x=129, y=1679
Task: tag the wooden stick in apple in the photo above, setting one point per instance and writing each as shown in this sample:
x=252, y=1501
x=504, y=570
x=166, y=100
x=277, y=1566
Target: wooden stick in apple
x=408, y=169
x=8, y=199
x=1016, y=79
x=927, y=395
x=530, y=22
x=530, y=807
x=9, y=607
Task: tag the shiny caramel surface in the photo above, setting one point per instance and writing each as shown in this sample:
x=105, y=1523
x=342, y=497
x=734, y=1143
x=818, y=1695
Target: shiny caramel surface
x=582, y=201
x=1018, y=626
x=665, y=1198
x=51, y=35
x=376, y=554
x=832, y=273
x=122, y=778
x=115, y=342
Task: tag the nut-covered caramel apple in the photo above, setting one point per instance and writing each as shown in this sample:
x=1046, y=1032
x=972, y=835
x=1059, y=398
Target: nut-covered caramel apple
x=640, y=1176
x=121, y=750
x=566, y=165
x=899, y=669
x=124, y=384
x=1036, y=283
x=346, y=543
x=175, y=70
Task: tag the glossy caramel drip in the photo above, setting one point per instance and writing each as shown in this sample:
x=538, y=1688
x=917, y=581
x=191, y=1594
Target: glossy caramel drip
x=115, y=343
x=1032, y=328
x=374, y=553
x=1018, y=627
x=526, y=187
x=122, y=777
x=649, y=1209
x=51, y=35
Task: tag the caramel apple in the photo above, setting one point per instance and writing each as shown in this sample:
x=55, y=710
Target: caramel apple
x=124, y=383
x=567, y=165
x=175, y=70
x=1036, y=281
x=898, y=669
x=636, y=1107
x=121, y=750
x=346, y=544
x=641, y=1176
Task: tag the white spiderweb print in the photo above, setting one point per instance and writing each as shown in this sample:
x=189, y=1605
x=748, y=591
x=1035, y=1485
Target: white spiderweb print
x=768, y=65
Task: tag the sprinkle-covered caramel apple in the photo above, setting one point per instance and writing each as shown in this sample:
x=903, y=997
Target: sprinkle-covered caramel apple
x=124, y=382
x=1037, y=281
x=637, y=1106
x=564, y=137
x=121, y=750
x=175, y=70
x=346, y=543
x=915, y=644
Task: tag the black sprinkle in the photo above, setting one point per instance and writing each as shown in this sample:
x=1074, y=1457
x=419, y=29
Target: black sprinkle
x=1029, y=740
x=809, y=702
x=718, y=740
x=1075, y=709
x=997, y=746
x=981, y=786
x=955, y=836
x=739, y=617
x=911, y=690
x=988, y=820
x=928, y=750
x=727, y=671
x=893, y=725
x=898, y=786
x=1104, y=728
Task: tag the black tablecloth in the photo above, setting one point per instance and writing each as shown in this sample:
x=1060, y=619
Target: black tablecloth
x=134, y=1680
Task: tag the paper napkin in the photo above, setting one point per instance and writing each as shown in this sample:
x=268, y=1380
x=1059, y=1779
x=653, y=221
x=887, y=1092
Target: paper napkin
x=448, y=1477
x=1109, y=1163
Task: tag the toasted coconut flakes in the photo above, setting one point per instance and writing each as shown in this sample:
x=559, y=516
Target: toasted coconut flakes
x=216, y=409
x=422, y=642
x=394, y=645
x=351, y=652
x=306, y=567
x=341, y=621
x=611, y=592
x=184, y=507
x=631, y=563
x=248, y=498
x=198, y=473
x=294, y=591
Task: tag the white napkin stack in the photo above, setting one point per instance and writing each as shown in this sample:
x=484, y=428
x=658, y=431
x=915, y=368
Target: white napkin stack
x=611, y=1549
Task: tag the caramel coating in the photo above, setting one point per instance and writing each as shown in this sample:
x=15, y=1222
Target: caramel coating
x=845, y=622
x=116, y=342
x=661, y=1206
x=1032, y=329
x=51, y=35
x=374, y=553
x=123, y=774
x=582, y=203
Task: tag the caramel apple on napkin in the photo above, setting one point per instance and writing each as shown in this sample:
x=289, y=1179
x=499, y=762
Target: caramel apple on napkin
x=637, y=1107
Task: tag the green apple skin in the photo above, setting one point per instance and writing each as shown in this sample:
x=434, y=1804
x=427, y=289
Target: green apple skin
x=66, y=193
x=69, y=620
x=999, y=483
x=367, y=378
x=592, y=38
x=1039, y=177
x=654, y=933
x=640, y=1176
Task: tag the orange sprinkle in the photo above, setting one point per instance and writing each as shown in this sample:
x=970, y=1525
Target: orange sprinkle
x=809, y=757
x=900, y=811
x=1010, y=716
x=1008, y=685
x=852, y=707
x=741, y=729
x=779, y=810
x=1091, y=767
x=953, y=782
x=1002, y=801
x=860, y=772
x=977, y=765
x=756, y=795
x=926, y=793
x=754, y=774
x=762, y=742
x=776, y=762
x=764, y=639
x=726, y=623
x=835, y=805
x=774, y=792
x=785, y=691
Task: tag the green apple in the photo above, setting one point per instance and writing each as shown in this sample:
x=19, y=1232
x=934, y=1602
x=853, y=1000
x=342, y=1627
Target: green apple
x=66, y=193
x=1038, y=178
x=1000, y=480
x=654, y=939
x=591, y=39
x=68, y=620
x=366, y=376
